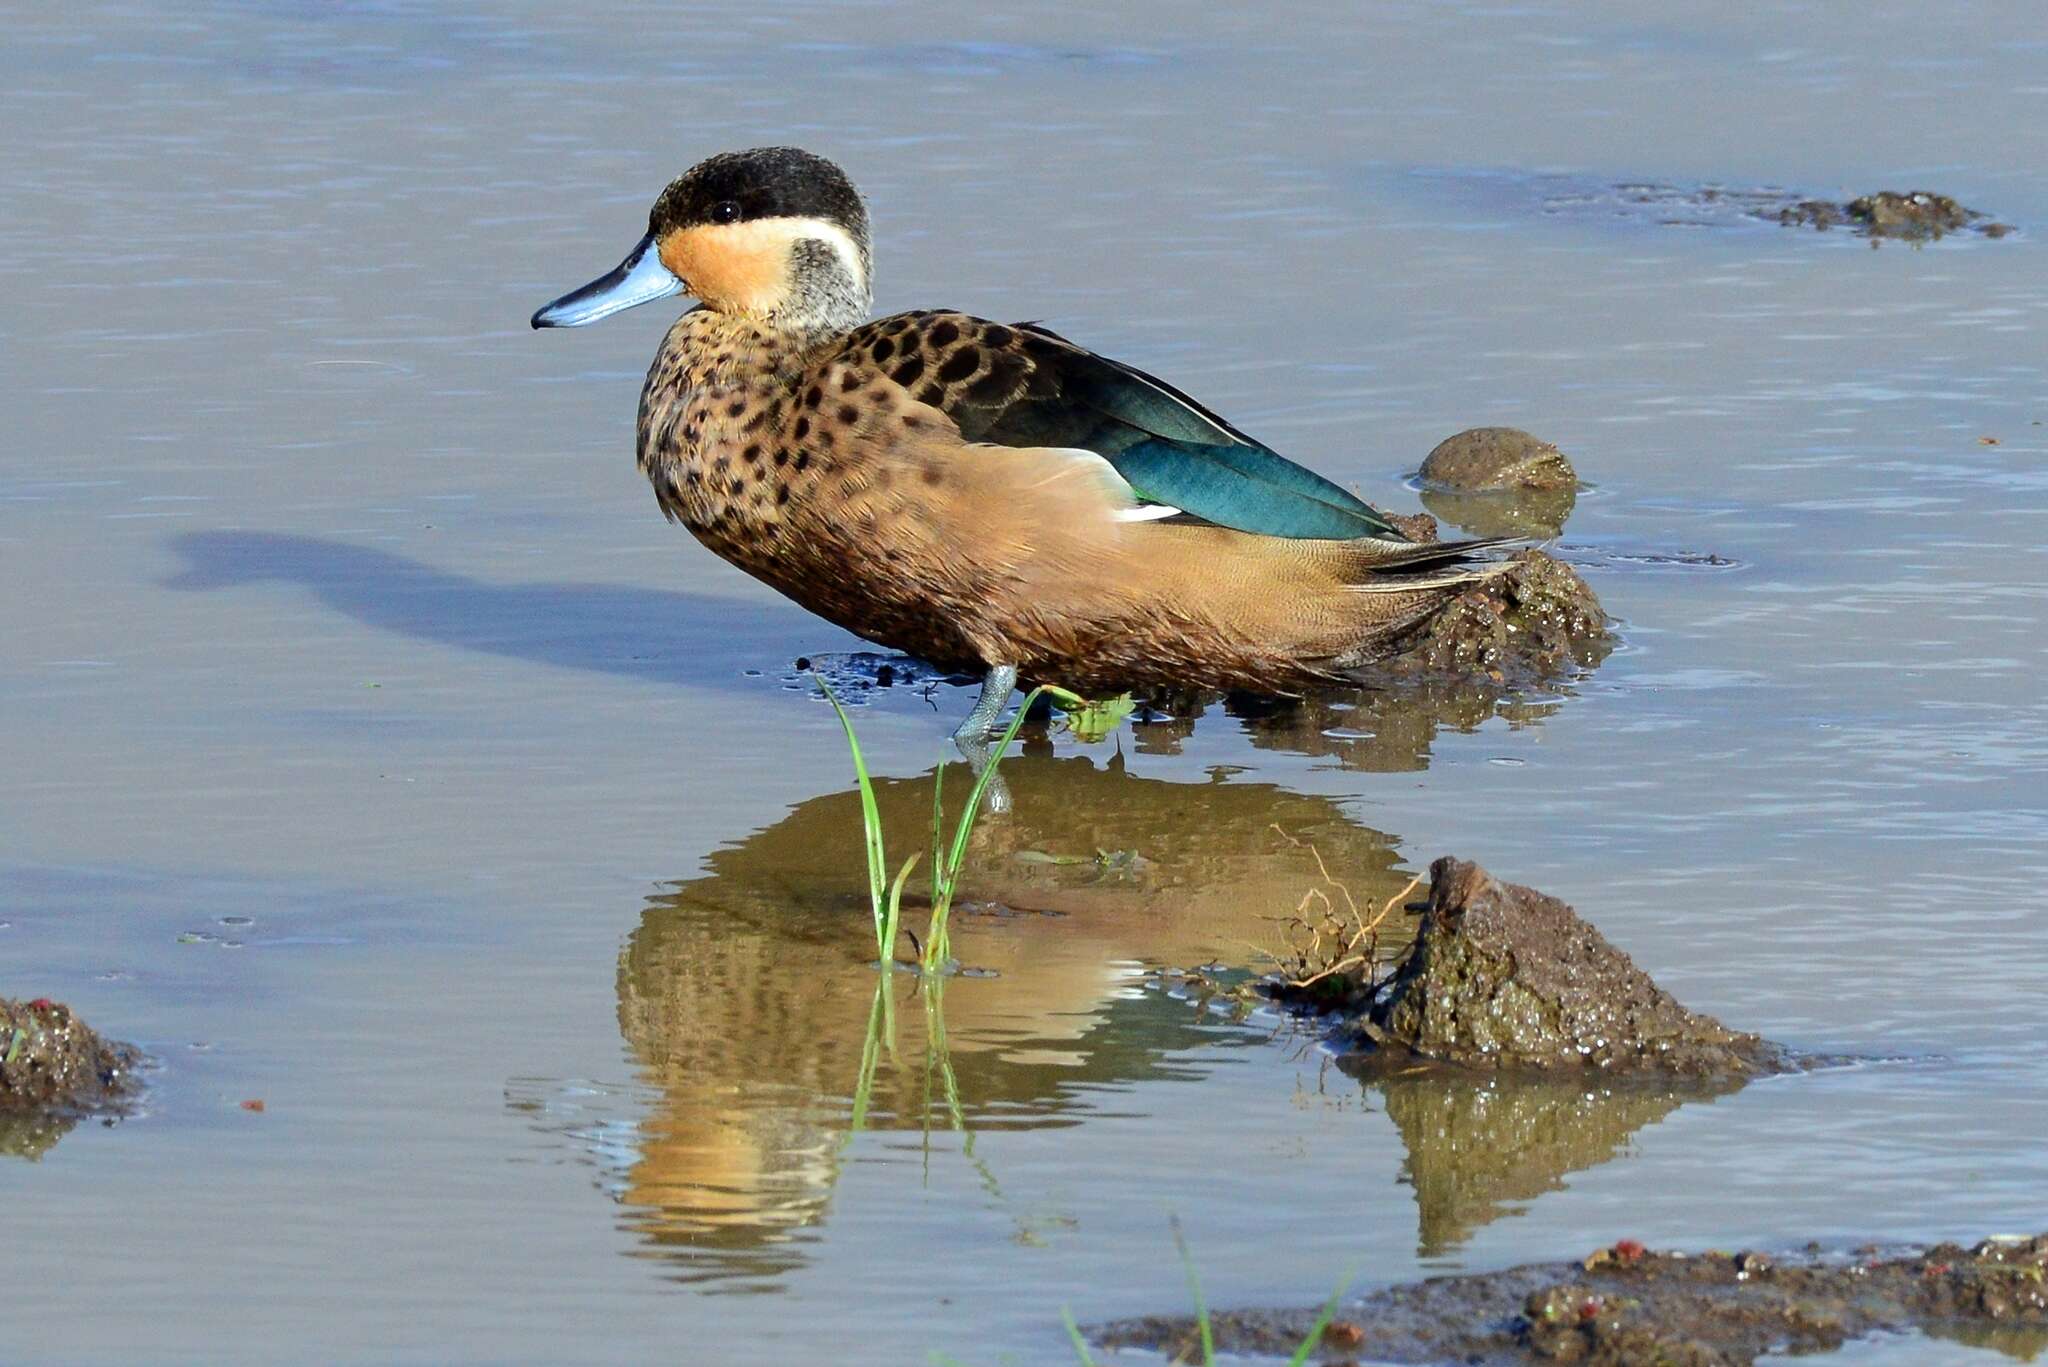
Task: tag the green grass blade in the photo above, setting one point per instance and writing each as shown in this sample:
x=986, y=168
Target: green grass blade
x=940, y=895
x=895, y=909
x=1074, y=1333
x=871, y=820
x=1180, y=1242
x=938, y=944
x=1315, y=1331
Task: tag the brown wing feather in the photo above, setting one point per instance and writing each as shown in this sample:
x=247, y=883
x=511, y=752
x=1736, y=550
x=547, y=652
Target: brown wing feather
x=974, y=371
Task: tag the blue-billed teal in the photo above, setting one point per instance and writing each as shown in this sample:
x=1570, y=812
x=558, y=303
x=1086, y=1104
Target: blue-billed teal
x=982, y=494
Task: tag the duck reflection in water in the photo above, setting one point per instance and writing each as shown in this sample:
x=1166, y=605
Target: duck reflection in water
x=747, y=994
x=748, y=997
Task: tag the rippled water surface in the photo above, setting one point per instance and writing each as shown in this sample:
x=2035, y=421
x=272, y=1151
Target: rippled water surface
x=373, y=748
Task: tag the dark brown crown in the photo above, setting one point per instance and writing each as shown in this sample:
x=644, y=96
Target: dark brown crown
x=764, y=182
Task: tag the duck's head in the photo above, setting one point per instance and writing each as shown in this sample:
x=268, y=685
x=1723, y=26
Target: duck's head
x=774, y=233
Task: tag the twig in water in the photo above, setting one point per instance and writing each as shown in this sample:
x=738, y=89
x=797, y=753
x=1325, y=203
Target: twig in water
x=1352, y=937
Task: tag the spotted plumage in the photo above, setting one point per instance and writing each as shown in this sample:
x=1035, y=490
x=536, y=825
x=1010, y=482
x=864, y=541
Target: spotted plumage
x=982, y=494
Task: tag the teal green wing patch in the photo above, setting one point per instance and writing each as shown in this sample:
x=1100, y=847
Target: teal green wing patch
x=1175, y=451
x=1246, y=487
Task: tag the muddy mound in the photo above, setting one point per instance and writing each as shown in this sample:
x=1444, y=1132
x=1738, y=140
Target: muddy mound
x=54, y=1069
x=1913, y=215
x=1537, y=621
x=1903, y=215
x=1504, y=977
x=1624, y=1306
x=1910, y=216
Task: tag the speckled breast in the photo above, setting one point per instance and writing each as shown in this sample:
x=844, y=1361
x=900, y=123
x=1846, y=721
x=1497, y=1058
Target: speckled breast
x=781, y=467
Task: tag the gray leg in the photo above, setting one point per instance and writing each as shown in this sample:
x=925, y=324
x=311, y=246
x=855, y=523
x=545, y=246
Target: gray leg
x=979, y=754
x=973, y=737
x=995, y=696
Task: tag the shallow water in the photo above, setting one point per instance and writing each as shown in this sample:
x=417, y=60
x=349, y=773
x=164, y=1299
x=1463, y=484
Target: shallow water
x=374, y=749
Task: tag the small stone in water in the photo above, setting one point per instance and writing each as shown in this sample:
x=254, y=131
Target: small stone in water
x=1497, y=458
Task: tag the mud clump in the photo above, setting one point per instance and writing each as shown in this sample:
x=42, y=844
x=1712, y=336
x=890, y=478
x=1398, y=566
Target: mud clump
x=1501, y=977
x=1482, y=458
x=1416, y=526
x=1529, y=624
x=55, y=1070
x=1911, y=216
x=1498, y=481
x=1625, y=1305
x=1535, y=626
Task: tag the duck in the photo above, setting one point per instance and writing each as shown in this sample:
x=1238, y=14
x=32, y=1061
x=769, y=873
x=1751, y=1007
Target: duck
x=990, y=497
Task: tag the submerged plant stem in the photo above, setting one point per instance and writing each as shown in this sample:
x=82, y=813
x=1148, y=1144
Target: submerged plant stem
x=881, y=1029
x=871, y=822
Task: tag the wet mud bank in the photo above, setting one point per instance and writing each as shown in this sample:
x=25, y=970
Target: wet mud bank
x=1624, y=1306
x=1503, y=977
x=1910, y=216
x=55, y=1070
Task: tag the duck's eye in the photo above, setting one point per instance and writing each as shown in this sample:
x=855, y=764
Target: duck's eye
x=725, y=211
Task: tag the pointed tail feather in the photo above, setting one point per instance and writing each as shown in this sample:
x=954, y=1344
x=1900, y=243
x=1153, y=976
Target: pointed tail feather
x=1397, y=602
x=1452, y=577
x=1381, y=556
x=1399, y=607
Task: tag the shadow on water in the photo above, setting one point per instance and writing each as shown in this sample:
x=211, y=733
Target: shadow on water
x=660, y=635
x=749, y=1000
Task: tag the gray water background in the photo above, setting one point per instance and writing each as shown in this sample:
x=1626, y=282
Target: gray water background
x=332, y=601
